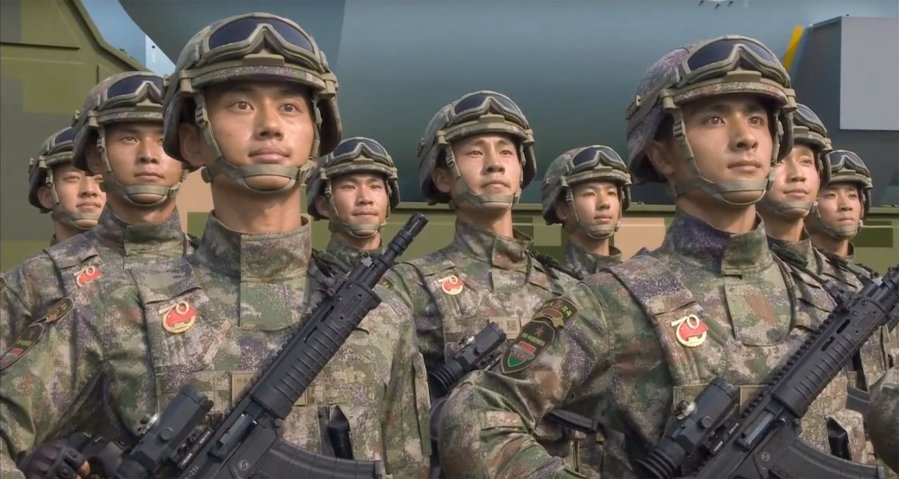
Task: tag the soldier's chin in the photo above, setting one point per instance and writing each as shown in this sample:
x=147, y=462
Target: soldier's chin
x=268, y=182
x=85, y=224
x=148, y=199
x=496, y=206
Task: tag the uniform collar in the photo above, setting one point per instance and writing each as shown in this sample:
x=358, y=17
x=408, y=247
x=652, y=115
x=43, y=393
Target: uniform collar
x=267, y=257
x=589, y=263
x=720, y=251
x=347, y=254
x=507, y=253
x=801, y=251
x=142, y=239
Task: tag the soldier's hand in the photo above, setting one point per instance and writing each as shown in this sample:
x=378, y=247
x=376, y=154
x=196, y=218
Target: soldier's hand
x=56, y=460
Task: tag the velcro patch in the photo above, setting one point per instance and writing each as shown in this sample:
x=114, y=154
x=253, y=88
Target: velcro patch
x=535, y=336
x=29, y=337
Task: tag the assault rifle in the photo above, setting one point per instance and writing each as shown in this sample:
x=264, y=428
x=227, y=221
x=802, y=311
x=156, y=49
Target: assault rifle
x=703, y=439
x=480, y=351
x=247, y=441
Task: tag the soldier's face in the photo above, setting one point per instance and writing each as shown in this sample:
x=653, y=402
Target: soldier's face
x=489, y=164
x=596, y=203
x=795, y=179
x=78, y=192
x=840, y=205
x=361, y=198
x=259, y=123
x=731, y=138
x=135, y=153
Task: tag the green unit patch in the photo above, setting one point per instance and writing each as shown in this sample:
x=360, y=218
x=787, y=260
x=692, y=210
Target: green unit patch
x=535, y=336
x=29, y=337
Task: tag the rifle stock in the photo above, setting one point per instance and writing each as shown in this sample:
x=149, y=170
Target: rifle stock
x=702, y=440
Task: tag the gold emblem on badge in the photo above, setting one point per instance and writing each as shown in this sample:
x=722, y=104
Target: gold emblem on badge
x=691, y=331
x=451, y=285
x=178, y=318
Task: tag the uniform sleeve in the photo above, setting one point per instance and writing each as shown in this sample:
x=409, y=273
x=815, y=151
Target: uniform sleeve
x=883, y=419
x=490, y=417
x=17, y=298
x=407, y=442
x=42, y=383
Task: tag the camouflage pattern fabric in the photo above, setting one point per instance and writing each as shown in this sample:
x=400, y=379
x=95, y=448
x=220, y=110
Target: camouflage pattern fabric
x=883, y=419
x=585, y=263
x=216, y=322
x=612, y=362
x=341, y=256
x=71, y=268
x=480, y=277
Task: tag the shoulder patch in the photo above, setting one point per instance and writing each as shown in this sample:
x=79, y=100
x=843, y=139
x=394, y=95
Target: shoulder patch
x=58, y=310
x=533, y=339
x=29, y=337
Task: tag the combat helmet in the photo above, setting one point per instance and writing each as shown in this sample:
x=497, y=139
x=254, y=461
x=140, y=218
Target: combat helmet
x=589, y=163
x=729, y=64
x=845, y=167
x=353, y=155
x=474, y=113
x=121, y=98
x=56, y=150
x=253, y=46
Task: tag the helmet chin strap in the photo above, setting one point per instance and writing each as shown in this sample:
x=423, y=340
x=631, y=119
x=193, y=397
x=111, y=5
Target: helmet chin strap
x=240, y=174
x=840, y=233
x=717, y=190
x=111, y=184
x=789, y=209
x=478, y=201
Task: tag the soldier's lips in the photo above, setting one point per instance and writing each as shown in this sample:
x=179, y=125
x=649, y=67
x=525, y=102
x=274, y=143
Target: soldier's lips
x=89, y=205
x=746, y=166
x=797, y=192
x=149, y=177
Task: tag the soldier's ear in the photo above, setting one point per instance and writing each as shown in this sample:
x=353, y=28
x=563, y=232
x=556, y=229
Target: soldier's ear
x=562, y=210
x=661, y=155
x=323, y=206
x=192, y=144
x=442, y=180
x=45, y=197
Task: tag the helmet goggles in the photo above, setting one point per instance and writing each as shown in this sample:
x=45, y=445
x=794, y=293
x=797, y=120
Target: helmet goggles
x=476, y=108
x=592, y=158
x=847, y=160
x=723, y=55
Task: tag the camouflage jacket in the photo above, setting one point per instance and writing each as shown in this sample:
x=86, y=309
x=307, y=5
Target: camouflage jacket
x=845, y=270
x=340, y=256
x=883, y=418
x=215, y=322
x=585, y=263
x=70, y=268
x=480, y=277
x=598, y=352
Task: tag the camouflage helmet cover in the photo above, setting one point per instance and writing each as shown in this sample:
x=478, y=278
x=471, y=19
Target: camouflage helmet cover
x=253, y=46
x=743, y=65
x=353, y=155
x=122, y=97
x=589, y=163
x=472, y=114
x=56, y=150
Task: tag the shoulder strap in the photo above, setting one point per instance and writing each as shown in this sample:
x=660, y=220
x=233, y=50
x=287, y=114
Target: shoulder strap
x=552, y=265
x=670, y=305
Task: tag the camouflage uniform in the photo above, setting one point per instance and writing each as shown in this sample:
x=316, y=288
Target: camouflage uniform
x=353, y=155
x=585, y=263
x=626, y=344
x=218, y=319
x=69, y=269
x=883, y=418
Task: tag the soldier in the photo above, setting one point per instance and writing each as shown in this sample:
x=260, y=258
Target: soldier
x=355, y=188
x=117, y=135
x=711, y=119
x=72, y=197
x=476, y=155
x=253, y=100
x=883, y=418
x=843, y=202
x=587, y=190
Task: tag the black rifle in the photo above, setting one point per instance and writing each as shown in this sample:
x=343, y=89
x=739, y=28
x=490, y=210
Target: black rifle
x=247, y=441
x=480, y=351
x=703, y=440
